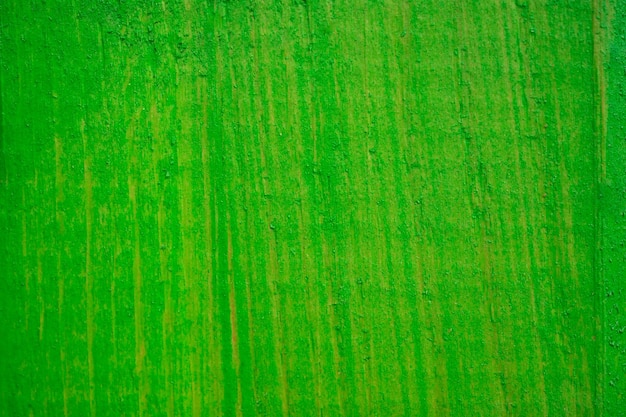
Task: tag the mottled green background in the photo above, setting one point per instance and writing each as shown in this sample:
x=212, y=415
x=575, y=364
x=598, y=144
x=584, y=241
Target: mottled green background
x=312, y=208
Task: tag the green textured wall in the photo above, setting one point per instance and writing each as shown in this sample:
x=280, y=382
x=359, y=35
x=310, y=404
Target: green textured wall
x=312, y=208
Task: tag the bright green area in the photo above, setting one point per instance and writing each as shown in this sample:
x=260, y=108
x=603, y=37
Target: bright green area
x=612, y=197
x=311, y=208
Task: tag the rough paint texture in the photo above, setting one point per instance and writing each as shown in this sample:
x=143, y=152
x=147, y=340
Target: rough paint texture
x=612, y=200
x=312, y=208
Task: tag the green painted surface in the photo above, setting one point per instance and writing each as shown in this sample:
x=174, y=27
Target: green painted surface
x=612, y=197
x=359, y=208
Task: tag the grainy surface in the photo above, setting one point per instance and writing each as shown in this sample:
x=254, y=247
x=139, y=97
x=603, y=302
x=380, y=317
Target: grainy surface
x=612, y=200
x=357, y=208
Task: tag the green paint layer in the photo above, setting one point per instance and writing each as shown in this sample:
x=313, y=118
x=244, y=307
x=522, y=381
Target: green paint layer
x=612, y=200
x=302, y=207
